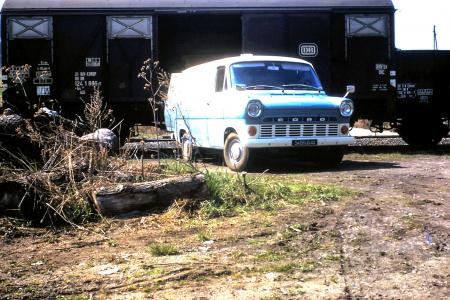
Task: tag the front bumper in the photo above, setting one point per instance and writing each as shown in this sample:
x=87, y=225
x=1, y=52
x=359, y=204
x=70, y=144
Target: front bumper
x=287, y=142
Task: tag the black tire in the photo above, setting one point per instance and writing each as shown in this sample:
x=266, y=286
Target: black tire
x=235, y=154
x=422, y=136
x=421, y=141
x=329, y=157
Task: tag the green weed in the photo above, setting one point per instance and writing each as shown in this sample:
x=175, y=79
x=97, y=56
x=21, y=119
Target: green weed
x=305, y=267
x=231, y=194
x=307, y=192
x=178, y=167
x=163, y=249
x=203, y=236
x=269, y=255
x=113, y=243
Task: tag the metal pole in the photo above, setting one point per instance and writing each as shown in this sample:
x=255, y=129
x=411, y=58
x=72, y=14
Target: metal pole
x=435, y=46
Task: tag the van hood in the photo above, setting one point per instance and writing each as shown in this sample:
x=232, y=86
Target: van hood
x=295, y=100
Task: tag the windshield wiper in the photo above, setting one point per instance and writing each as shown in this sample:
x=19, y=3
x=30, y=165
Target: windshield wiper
x=303, y=86
x=263, y=87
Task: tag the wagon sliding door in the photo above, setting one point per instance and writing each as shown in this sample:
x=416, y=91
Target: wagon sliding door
x=129, y=45
x=29, y=42
x=79, y=59
x=368, y=56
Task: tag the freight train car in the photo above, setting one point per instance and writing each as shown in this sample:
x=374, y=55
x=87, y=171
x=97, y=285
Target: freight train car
x=423, y=96
x=73, y=46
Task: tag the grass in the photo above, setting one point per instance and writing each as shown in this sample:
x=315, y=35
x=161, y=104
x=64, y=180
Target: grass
x=203, y=236
x=308, y=192
x=163, y=249
x=304, y=267
x=178, y=167
x=233, y=194
x=413, y=222
x=268, y=255
x=113, y=243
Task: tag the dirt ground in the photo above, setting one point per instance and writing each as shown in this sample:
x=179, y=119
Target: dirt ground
x=389, y=239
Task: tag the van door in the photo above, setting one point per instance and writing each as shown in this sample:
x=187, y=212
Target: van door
x=197, y=92
x=215, y=109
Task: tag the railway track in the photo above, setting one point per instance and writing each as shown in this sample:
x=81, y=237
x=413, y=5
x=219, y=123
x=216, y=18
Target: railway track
x=363, y=144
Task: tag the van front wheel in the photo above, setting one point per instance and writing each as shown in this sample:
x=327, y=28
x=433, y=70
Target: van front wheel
x=235, y=153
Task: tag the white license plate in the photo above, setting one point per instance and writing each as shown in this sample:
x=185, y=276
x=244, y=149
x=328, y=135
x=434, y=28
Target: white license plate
x=304, y=143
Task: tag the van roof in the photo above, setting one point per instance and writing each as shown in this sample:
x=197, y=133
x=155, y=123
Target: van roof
x=246, y=58
x=15, y=5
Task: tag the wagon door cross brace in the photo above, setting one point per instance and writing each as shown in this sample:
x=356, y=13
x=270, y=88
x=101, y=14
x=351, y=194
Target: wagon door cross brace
x=31, y=27
x=129, y=27
x=369, y=25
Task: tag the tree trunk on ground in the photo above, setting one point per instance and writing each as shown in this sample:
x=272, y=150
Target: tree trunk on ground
x=125, y=198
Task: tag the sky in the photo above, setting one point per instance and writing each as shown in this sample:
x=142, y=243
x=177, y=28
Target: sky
x=414, y=24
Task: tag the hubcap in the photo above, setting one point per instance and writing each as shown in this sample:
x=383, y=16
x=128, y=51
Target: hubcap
x=236, y=151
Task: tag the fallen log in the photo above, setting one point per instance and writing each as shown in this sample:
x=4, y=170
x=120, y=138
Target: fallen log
x=125, y=198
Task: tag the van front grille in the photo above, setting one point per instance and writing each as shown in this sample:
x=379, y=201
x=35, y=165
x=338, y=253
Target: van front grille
x=299, y=130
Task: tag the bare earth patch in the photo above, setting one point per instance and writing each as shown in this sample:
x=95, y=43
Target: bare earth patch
x=389, y=239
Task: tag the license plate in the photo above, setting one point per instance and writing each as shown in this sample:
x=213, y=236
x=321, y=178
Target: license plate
x=304, y=143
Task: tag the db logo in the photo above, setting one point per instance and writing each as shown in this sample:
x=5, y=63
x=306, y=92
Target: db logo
x=308, y=50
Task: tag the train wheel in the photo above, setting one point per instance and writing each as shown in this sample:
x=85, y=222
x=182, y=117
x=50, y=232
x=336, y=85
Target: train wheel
x=425, y=134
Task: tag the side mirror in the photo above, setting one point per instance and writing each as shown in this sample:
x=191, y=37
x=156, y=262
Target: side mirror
x=350, y=90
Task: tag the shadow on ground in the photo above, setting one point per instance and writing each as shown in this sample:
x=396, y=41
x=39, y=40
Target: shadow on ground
x=402, y=149
x=281, y=166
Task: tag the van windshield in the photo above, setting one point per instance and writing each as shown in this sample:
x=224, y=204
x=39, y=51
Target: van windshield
x=274, y=75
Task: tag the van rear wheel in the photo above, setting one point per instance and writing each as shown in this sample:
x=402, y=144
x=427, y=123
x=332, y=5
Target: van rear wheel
x=235, y=153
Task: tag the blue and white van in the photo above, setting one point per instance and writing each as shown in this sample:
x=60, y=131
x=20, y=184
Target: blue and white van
x=242, y=103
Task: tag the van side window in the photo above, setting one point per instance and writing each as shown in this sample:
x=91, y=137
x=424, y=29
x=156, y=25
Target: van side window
x=220, y=77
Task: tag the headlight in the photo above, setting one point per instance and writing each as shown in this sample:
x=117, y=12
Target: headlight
x=347, y=108
x=254, y=109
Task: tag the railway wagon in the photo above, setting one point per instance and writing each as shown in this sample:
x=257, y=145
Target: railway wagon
x=423, y=96
x=74, y=46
